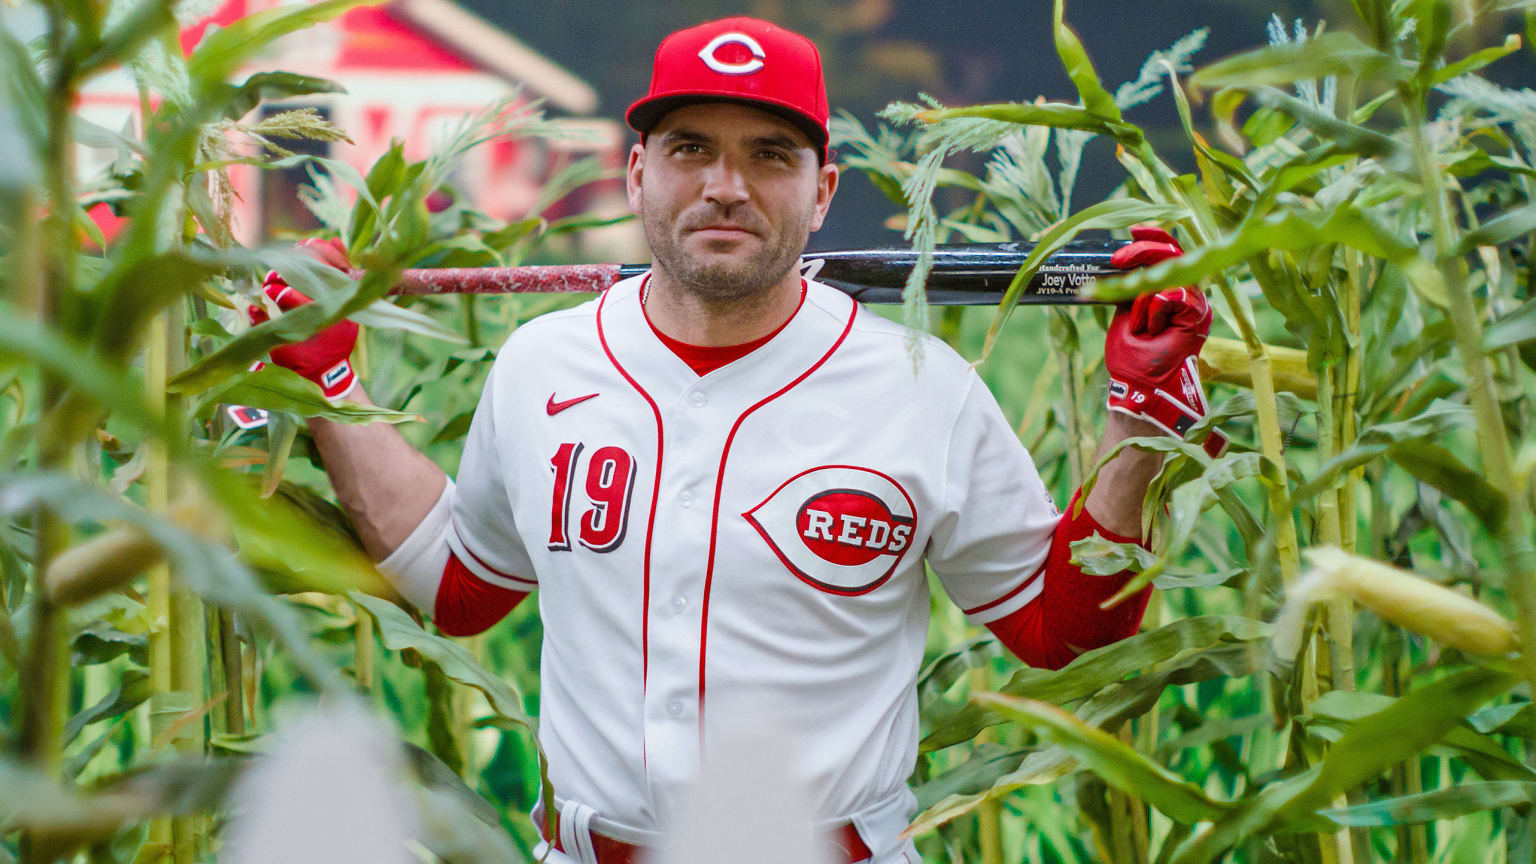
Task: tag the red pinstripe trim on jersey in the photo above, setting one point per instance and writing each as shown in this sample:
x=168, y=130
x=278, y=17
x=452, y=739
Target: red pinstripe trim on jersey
x=481, y=561
x=1010, y=595
x=714, y=517
x=650, y=524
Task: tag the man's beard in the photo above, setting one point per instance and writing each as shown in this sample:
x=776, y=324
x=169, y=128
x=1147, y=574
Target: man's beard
x=724, y=279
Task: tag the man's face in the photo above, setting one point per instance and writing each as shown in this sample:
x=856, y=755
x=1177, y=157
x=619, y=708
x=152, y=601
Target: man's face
x=728, y=195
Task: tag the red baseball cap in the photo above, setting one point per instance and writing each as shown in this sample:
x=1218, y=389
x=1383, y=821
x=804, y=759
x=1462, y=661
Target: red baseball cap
x=742, y=60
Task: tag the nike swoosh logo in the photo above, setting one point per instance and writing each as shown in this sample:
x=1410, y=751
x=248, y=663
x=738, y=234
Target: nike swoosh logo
x=556, y=407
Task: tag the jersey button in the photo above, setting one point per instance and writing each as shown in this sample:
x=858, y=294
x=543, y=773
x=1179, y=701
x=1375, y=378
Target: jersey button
x=699, y=400
x=675, y=708
x=686, y=499
x=679, y=603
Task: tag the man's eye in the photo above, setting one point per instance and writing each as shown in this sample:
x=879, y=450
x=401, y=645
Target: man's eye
x=774, y=155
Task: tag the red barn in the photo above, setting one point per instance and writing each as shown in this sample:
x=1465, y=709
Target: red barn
x=413, y=70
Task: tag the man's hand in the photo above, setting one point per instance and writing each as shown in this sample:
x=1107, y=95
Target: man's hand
x=326, y=357
x=1152, y=345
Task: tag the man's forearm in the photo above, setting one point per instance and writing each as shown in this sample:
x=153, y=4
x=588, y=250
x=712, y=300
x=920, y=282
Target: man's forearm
x=1116, y=499
x=385, y=485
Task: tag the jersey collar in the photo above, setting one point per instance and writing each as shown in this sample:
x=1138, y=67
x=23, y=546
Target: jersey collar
x=808, y=334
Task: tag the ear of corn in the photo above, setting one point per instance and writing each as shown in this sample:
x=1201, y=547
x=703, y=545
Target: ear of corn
x=1411, y=602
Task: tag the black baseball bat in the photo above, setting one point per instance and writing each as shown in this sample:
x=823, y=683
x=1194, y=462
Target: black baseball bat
x=962, y=275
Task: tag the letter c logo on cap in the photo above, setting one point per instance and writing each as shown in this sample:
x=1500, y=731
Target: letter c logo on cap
x=707, y=54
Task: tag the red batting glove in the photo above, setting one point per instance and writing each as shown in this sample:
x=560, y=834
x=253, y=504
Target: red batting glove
x=326, y=357
x=1152, y=345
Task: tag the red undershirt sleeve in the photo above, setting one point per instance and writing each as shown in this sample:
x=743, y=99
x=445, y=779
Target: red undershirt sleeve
x=1065, y=620
x=467, y=604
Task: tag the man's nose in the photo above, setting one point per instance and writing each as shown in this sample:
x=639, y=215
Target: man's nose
x=724, y=183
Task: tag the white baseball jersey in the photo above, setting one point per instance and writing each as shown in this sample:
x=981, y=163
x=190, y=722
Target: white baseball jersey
x=754, y=536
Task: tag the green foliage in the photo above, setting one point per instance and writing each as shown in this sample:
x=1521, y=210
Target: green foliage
x=128, y=717
x=1393, y=245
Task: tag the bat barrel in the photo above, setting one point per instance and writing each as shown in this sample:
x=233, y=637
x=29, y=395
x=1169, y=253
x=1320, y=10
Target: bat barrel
x=968, y=274
x=554, y=279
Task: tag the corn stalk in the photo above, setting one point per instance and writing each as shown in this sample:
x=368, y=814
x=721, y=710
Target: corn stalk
x=1516, y=533
x=45, y=665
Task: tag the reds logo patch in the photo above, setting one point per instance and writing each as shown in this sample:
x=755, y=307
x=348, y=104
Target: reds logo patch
x=839, y=528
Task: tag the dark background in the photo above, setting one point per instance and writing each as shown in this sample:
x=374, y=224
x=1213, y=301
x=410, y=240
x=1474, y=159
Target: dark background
x=877, y=51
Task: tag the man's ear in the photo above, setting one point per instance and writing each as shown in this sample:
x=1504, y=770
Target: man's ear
x=826, y=187
x=633, y=175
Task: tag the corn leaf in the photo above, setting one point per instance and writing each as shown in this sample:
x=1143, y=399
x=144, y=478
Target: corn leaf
x=456, y=832
x=130, y=692
x=23, y=339
x=281, y=432
x=1515, y=718
x=399, y=632
x=128, y=33
x=1448, y=803
x=24, y=105
x=1433, y=19
x=295, y=552
x=66, y=819
x=268, y=86
x=1336, y=712
x=1288, y=230
x=384, y=315
x=1432, y=464
x=1185, y=506
x=1107, y=709
x=1348, y=137
x=273, y=388
x=1435, y=422
x=1105, y=755
x=1506, y=227
x=387, y=175
x=1333, y=53
x=975, y=775
x=1476, y=60
x=1074, y=58
x=1099, y=668
x=1371, y=746
x=1054, y=114
x=1515, y=328
x=947, y=668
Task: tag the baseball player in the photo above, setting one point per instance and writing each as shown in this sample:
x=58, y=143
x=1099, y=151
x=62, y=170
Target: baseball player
x=724, y=479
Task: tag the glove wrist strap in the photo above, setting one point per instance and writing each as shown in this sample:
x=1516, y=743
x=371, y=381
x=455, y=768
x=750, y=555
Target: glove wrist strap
x=1164, y=410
